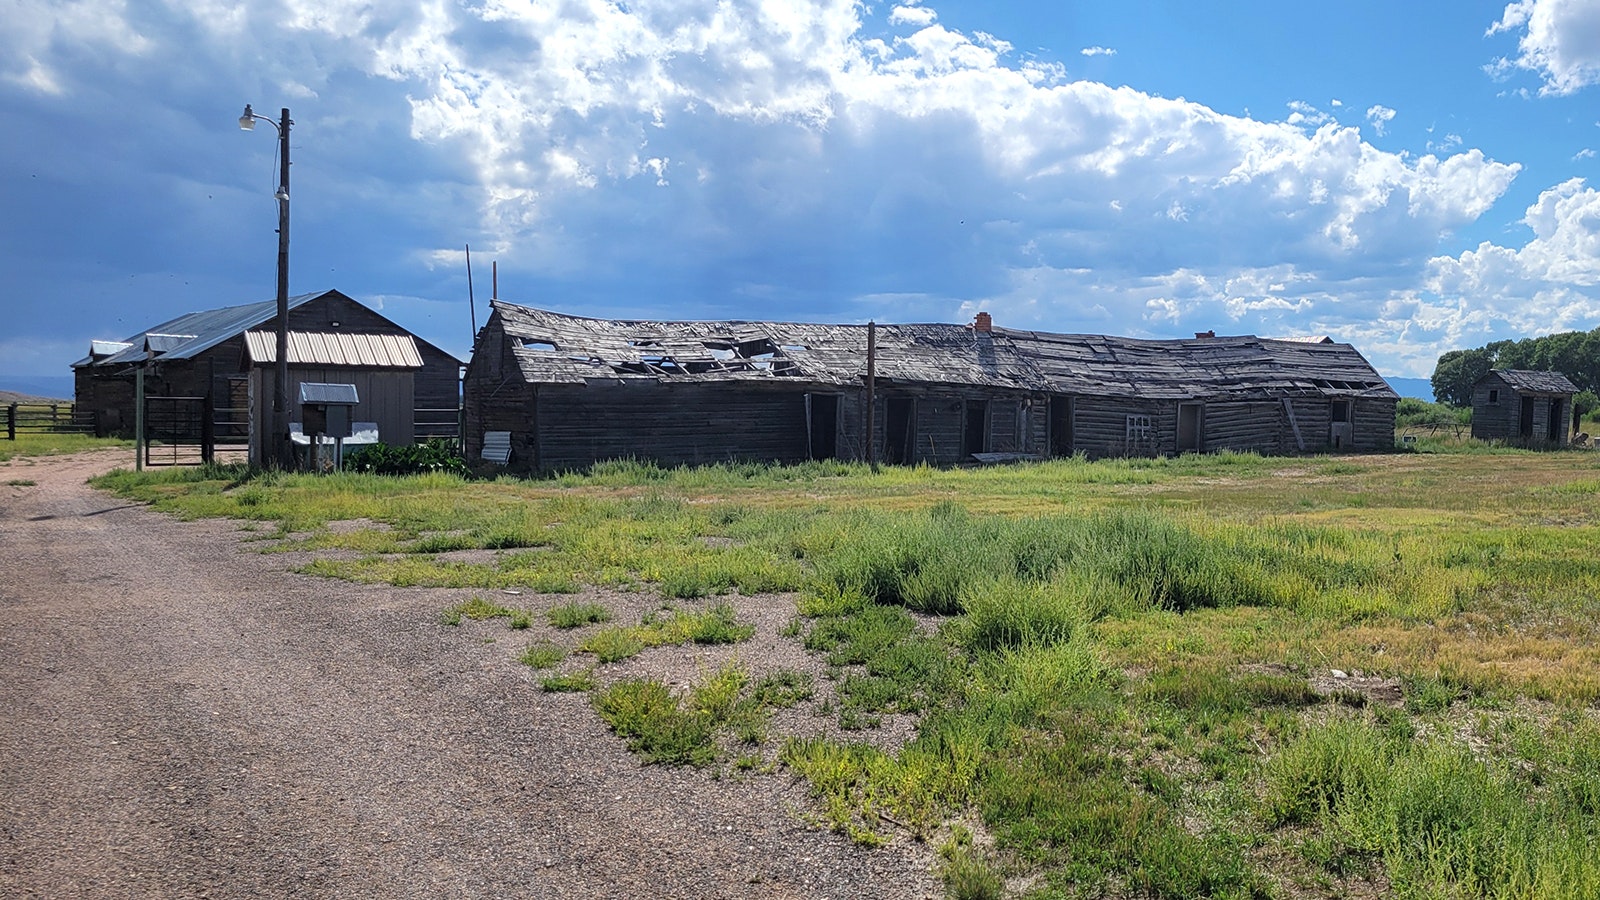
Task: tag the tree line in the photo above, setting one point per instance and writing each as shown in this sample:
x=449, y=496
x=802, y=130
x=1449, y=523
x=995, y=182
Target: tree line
x=1575, y=354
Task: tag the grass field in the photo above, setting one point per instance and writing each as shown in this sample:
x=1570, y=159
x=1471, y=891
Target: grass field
x=1218, y=676
x=50, y=444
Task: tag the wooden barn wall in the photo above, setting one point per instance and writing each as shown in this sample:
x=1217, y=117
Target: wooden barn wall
x=111, y=393
x=1374, y=423
x=1100, y=426
x=1502, y=420
x=1260, y=426
x=496, y=398
x=939, y=422
x=671, y=424
x=436, y=386
x=386, y=397
x=1314, y=415
x=1496, y=421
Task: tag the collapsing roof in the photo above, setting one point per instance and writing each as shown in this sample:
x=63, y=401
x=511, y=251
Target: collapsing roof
x=552, y=348
x=188, y=335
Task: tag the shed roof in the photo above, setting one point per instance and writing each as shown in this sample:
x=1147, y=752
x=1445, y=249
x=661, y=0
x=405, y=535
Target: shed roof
x=191, y=334
x=553, y=347
x=1535, y=381
x=339, y=348
x=200, y=331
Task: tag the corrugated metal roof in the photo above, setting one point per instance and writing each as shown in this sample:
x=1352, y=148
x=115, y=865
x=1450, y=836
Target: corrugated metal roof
x=373, y=351
x=165, y=343
x=554, y=348
x=208, y=329
x=1541, y=382
x=101, y=349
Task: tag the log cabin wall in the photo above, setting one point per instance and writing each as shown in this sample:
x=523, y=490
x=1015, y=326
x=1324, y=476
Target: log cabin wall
x=669, y=424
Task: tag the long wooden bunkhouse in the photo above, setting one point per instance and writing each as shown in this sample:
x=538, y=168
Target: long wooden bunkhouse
x=563, y=392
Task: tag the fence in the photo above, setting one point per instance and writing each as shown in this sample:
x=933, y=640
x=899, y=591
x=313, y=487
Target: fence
x=430, y=424
x=44, y=418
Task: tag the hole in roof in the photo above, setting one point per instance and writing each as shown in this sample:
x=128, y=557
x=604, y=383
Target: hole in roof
x=789, y=348
x=546, y=346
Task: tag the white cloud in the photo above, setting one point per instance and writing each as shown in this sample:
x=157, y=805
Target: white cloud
x=1380, y=117
x=1303, y=113
x=912, y=15
x=1560, y=42
x=1098, y=51
x=816, y=166
x=1585, y=153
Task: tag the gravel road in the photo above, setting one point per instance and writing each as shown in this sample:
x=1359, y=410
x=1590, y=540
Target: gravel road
x=183, y=717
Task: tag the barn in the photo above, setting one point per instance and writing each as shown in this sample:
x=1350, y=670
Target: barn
x=226, y=357
x=1518, y=406
x=565, y=391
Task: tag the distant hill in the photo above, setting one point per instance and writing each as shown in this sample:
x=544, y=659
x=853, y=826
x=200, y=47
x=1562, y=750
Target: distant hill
x=34, y=388
x=1420, y=388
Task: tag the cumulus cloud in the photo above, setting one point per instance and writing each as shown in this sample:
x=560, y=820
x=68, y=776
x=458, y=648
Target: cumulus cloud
x=780, y=157
x=1380, y=117
x=1098, y=51
x=1560, y=42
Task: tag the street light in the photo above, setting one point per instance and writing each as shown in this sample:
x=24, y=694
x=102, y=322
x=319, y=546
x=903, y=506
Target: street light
x=280, y=415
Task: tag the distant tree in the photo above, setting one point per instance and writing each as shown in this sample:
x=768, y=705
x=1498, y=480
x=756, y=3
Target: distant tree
x=1456, y=373
x=1575, y=354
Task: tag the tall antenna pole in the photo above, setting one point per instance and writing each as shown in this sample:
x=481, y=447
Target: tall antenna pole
x=472, y=303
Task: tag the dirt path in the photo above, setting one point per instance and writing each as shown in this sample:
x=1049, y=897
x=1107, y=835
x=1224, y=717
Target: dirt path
x=182, y=717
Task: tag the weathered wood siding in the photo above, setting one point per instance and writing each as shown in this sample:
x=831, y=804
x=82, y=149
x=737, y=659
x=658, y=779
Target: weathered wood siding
x=671, y=424
x=110, y=392
x=1259, y=426
x=1502, y=419
x=385, y=396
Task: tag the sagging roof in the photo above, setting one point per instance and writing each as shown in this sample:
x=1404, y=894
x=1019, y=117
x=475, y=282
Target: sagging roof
x=553, y=348
x=379, y=351
x=1534, y=381
x=199, y=332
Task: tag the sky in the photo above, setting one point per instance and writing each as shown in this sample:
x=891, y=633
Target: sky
x=1408, y=177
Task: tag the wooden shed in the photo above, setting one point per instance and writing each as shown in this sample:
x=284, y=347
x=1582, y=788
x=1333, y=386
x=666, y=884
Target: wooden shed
x=571, y=391
x=1519, y=406
x=227, y=357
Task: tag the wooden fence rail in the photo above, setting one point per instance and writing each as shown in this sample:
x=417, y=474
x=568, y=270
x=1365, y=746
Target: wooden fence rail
x=43, y=418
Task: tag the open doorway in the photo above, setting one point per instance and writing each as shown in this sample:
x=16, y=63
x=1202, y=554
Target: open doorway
x=822, y=423
x=975, y=433
x=1557, y=422
x=1525, y=423
x=899, y=429
x=1061, y=426
x=1191, y=420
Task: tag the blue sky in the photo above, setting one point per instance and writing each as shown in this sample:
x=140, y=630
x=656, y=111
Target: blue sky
x=1411, y=178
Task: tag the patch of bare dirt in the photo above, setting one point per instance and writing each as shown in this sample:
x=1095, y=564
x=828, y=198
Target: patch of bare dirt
x=181, y=716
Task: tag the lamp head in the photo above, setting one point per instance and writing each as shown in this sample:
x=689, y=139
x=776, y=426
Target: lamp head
x=247, y=122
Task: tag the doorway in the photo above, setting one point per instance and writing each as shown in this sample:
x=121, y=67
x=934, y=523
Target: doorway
x=1061, y=426
x=975, y=433
x=899, y=429
x=1557, y=421
x=1525, y=425
x=1191, y=417
x=822, y=424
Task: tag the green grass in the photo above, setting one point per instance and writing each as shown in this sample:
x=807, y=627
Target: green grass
x=569, y=683
x=1111, y=665
x=542, y=655
x=479, y=609
x=716, y=625
x=49, y=444
x=576, y=615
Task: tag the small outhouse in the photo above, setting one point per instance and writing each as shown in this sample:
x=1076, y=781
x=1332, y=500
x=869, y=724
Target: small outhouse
x=1519, y=406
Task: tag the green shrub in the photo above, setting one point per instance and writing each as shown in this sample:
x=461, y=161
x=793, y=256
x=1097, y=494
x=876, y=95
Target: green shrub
x=574, y=615
x=437, y=455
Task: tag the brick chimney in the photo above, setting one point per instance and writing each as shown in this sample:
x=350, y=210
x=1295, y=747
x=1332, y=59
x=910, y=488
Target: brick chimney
x=983, y=322
x=1202, y=335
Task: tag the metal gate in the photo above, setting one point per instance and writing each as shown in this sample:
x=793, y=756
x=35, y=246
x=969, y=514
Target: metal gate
x=177, y=431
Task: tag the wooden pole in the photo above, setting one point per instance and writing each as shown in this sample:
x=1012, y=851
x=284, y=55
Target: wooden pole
x=872, y=395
